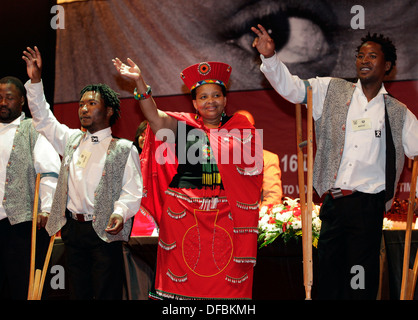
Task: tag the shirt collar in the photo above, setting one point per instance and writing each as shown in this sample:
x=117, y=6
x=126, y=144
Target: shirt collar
x=381, y=91
x=99, y=135
x=15, y=122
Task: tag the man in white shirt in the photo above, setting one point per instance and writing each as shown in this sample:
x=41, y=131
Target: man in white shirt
x=24, y=153
x=357, y=126
x=99, y=189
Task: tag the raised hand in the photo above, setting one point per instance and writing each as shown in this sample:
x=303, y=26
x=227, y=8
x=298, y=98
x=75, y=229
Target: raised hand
x=132, y=71
x=264, y=43
x=33, y=61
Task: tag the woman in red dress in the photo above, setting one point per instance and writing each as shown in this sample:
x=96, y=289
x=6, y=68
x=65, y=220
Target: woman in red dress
x=202, y=179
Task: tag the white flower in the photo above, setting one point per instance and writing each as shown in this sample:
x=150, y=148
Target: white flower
x=292, y=202
x=263, y=210
x=387, y=224
x=297, y=224
x=269, y=236
x=277, y=209
x=284, y=216
x=316, y=223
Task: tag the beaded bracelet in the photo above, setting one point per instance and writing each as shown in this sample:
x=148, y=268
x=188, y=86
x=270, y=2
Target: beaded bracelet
x=143, y=96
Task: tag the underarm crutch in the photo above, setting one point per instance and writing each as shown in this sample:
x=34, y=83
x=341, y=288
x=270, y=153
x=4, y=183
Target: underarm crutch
x=409, y=276
x=37, y=277
x=306, y=205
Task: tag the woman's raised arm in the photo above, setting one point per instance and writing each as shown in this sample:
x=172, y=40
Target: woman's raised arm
x=157, y=119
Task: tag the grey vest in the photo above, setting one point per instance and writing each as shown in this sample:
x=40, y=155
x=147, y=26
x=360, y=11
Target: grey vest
x=106, y=193
x=20, y=181
x=330, y=134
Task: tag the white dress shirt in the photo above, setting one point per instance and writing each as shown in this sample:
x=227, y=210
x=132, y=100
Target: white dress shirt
x=362, y=165
x=84, y=178
x=45, y=160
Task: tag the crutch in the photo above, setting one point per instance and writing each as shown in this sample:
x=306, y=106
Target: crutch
x=306, y=205
x=44, y=270
x=33, y=242
x=409, y=276
x=37, y=277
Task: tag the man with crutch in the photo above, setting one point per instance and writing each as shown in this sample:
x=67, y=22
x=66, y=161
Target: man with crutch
x=362, y=136
x=24, y=153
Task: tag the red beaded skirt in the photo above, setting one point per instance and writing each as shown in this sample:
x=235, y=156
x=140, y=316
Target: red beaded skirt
x=196, y=249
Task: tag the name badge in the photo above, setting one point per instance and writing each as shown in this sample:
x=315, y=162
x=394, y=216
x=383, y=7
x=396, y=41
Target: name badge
x=83, y=159
x=361, y=124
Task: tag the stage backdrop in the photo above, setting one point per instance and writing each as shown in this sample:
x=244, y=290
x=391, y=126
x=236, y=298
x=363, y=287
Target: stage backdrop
x=163, y=37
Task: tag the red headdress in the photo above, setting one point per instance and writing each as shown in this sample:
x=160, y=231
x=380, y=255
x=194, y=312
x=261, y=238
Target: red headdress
x=206, y=72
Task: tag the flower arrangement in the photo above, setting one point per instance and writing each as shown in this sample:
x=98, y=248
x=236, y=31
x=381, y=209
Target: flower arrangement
x=284, y=220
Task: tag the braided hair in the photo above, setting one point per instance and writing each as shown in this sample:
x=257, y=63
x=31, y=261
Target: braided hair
x=109, y=97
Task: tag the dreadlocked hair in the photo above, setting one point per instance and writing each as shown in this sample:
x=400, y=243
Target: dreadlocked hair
x=109, y=97
x=388, y=48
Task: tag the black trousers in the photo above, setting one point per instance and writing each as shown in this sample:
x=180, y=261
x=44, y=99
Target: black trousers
x=94, y=267
x=15, y=251
x=349, y=246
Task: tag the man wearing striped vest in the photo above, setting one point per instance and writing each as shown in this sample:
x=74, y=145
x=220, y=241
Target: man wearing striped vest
x=363, y=135
x=24, y=154
x=99, y=188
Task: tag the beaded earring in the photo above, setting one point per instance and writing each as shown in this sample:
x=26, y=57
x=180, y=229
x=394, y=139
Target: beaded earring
x=196, y=115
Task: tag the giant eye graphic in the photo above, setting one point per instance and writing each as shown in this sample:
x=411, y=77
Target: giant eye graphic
x=302, y=32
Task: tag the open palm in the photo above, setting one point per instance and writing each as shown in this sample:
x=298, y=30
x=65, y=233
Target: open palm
x=131, y=71
x=33, y=61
